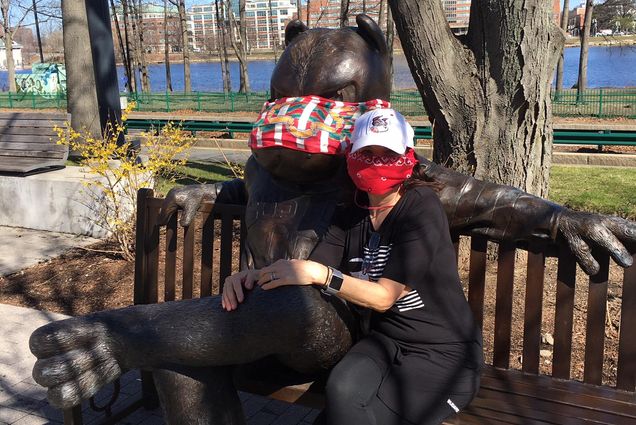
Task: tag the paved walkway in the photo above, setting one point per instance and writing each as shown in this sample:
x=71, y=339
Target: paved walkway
x=23, y=402
x=21, y=248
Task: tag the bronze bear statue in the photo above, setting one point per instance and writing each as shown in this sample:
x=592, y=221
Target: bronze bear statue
x=191, y=345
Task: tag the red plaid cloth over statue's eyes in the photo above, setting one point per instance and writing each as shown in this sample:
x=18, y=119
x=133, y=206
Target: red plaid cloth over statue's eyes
x=309, y=124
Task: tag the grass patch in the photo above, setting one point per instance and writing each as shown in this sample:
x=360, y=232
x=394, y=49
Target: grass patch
x=194, y=173
x=606, y=190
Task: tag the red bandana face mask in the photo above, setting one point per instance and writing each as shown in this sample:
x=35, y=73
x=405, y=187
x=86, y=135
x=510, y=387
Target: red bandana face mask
x=309, y=124
x=380, y=174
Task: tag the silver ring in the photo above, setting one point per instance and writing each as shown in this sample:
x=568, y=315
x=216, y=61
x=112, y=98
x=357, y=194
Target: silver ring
x=274, y=276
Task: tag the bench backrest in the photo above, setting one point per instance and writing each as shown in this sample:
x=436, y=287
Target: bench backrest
x=219, y=234
x=27, y=141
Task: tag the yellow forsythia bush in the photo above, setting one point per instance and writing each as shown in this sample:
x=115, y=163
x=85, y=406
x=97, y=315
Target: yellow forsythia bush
x=117, y=172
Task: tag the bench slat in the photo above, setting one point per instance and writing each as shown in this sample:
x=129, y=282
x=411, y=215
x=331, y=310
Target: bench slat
x=8, y=139
x=225, y=268
x=533, y=309
x=152, y=256
x=38, y=116
x=34, y=154
x=207, y=249
x=35, y=145
x=626, y=379
x=188, y=260
x=503, y=306
x=36, y=131
x=26, y=165
x=477, y=278
x=595, y=328
x=535, y=410
x=44, y=122
x=564, y=311
x=170, y=267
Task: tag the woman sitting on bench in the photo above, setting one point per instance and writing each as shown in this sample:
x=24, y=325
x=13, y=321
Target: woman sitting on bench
x=420, y=354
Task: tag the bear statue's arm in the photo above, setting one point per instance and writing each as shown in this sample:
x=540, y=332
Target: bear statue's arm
x=506, y=213
x=189, y=198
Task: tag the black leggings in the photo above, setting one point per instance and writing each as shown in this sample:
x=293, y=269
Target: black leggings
x=353, y=385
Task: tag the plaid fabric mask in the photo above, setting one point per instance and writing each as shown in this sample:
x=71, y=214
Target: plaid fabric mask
x=309, y=124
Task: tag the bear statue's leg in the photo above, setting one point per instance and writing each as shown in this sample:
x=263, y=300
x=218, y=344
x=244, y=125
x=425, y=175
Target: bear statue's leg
x=79, y=355
x=204, y=396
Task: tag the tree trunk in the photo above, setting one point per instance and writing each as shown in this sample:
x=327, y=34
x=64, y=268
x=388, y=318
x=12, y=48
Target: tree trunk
x=487, y=93
x=299, y=10
x=381, y=17
x=80, y=74
x=136, y=25
x=225, y=69
x=308, y=8
x=145, y=76
x=344, y=14
x=130, y=50
x=585, y=44
x=564, y=26
x=7, y=38
x=183, y=22
x=390, y=39
x=37, y=30
x=122, y=48
x=241, y=49
x=274, y=31
x=166, y=43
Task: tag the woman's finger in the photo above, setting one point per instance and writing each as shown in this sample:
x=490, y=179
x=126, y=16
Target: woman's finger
x=237, y=287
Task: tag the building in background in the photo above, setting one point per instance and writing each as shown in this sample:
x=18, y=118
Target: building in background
x=457, y=15
x=265, y=26
x=17, y=56
x=152, y=23
x=326, y=13
x=556, y=12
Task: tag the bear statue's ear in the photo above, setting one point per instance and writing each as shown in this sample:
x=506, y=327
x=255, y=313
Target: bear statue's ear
x=372, y=33
x=292, y=29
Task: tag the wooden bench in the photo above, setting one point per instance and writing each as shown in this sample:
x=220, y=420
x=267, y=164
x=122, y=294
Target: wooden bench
x=508, y=394
x=28, y=142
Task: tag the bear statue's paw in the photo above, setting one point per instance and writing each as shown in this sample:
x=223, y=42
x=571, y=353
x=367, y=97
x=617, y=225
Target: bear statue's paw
x=75, y=359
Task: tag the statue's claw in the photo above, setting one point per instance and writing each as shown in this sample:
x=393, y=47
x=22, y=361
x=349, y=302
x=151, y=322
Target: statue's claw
x=609, y=233
x=75, y=359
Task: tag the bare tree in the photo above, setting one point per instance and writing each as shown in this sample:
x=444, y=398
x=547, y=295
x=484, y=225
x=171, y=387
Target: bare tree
x=487, y=93
x=166, y=43
x=241, y=49
x=37, y=30
x=80, y=73
x=122, y=48
x=564, y=26
x=274, y=31
x=12, y=14
x=185, y=45
x=585, y=45
x=344, y=13
x=225, y=64
x=135, y=9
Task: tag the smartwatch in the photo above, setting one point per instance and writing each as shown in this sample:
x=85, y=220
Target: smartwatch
x=335, y=282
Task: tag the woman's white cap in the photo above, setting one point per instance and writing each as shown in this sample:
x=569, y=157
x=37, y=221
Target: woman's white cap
x=382, y=127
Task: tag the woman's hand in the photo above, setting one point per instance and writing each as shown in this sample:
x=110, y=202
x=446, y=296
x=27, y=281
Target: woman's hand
x=292, y=272
x=233, y=288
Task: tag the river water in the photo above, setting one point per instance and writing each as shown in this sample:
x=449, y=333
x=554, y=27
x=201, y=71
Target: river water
x=608, y=67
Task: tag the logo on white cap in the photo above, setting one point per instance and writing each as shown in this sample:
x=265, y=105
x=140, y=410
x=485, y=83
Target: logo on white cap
x=379, y=124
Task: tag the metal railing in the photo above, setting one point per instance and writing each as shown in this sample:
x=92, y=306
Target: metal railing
x=600, y=103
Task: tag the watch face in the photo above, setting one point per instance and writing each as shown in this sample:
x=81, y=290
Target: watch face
x=336, y=280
